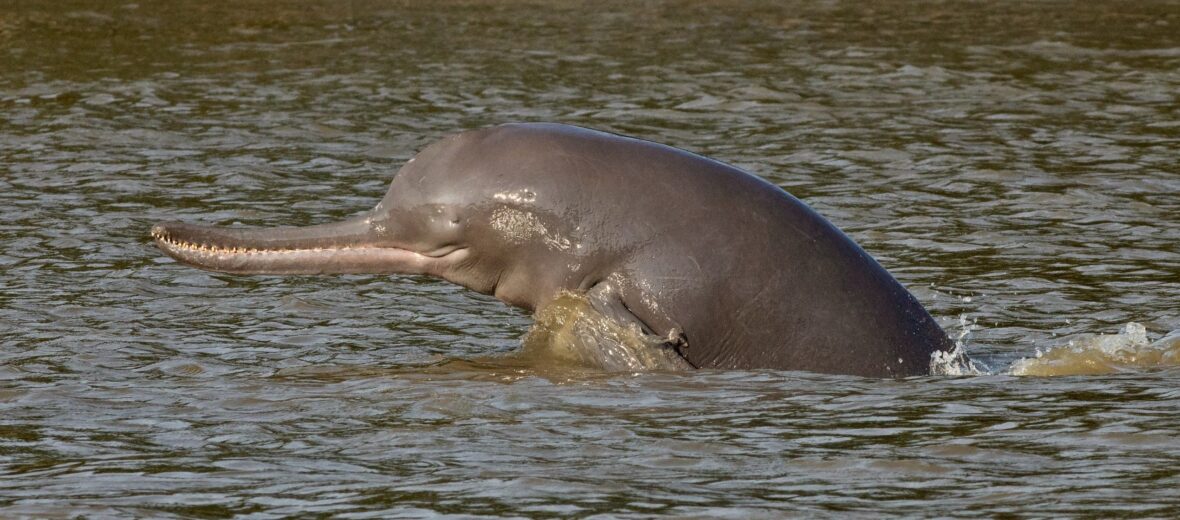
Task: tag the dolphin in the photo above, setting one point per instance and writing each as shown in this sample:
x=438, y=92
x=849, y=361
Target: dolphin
x=718, y=267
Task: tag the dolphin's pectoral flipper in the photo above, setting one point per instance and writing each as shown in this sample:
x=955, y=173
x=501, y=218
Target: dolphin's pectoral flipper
x=676, y=342
x=668, y=348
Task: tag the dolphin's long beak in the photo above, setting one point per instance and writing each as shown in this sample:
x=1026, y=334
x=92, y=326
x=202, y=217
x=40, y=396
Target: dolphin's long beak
x=349, y=246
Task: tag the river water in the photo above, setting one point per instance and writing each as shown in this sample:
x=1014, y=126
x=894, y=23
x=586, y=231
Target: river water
x=1016, y=166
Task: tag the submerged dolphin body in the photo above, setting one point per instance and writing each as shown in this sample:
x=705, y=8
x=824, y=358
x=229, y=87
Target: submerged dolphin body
x=725, y=269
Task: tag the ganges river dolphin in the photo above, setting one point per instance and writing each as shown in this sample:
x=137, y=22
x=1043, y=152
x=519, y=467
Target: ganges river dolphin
x=720, y=268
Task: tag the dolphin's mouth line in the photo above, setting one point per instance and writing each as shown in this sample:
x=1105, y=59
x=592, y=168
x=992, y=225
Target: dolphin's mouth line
x=174, y=243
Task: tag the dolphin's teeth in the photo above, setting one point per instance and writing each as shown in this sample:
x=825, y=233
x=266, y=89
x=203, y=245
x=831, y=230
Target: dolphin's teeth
x=215, y=249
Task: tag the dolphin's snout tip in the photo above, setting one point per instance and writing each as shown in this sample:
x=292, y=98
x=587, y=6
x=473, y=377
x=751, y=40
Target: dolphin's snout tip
x=166, y=232
x=168, y=228
x=162, y=231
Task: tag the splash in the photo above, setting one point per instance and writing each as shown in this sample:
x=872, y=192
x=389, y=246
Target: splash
x=955, y=362
x=569, y=332
x=1127, y=351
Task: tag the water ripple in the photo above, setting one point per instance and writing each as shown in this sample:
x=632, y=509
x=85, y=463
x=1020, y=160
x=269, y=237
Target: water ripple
x=1014, y=165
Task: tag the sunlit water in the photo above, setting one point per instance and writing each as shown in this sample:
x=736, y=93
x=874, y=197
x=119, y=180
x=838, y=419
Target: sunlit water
x=1015, y=166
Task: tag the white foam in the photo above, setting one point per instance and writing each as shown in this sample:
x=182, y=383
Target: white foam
x=956, y=362
x=1128, y=350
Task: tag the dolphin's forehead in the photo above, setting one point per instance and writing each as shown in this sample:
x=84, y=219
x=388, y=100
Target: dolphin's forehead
x=471, y=187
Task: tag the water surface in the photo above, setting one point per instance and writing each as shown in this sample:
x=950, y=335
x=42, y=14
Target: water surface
x=1014, y=165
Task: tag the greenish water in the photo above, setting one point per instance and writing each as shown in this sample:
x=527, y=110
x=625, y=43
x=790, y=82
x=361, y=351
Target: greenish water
x=1015, y=165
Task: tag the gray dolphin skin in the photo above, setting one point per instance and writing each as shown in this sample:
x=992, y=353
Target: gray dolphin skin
x=726, y=269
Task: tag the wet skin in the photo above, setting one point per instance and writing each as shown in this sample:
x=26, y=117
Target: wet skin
x=727, y=269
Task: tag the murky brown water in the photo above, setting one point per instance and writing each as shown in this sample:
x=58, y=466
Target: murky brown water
x=1015, y=165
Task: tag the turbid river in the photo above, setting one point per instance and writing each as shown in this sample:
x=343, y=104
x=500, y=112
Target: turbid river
x=1016, y=165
